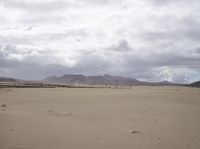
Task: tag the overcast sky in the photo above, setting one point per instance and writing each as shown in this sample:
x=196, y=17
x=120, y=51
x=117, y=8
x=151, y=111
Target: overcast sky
x=151, y=40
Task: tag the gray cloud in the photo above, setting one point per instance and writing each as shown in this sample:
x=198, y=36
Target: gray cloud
x=144, y=68
x=172, y=2
x=122, y=46
x=197, y=50
x=42, y=6
x=152, y=40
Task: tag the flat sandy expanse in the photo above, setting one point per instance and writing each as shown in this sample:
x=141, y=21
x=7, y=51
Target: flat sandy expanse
x=66, y=118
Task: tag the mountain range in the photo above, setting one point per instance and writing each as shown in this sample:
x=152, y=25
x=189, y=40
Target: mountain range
x=82, y=80
x=195, y=84
x=99, y=80
x=91, y=80
x=71, y=79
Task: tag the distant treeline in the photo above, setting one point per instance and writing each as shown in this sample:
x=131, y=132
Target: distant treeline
x=40, y=85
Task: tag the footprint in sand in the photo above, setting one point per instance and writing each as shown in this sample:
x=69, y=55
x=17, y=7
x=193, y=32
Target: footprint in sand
x=3, y=106
x=156, y=121
x=135, y=132
x=54, y=113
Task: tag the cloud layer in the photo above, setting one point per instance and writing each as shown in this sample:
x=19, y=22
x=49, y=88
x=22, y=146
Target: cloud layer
x=151, y=40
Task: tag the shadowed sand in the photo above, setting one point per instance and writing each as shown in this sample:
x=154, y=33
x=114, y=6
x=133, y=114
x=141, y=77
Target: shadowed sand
x=66, y=118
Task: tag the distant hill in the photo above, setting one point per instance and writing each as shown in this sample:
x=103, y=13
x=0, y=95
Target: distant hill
x=6, y=79
x=71, y=79
x=6, y=82
x=195, y=84
x=91, y=80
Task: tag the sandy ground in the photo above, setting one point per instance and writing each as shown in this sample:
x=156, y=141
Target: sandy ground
x=136, y=118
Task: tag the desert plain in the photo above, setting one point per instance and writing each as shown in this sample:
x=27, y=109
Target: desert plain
x=100, y=118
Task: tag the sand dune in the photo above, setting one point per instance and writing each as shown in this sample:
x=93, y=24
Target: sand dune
x=100, y=118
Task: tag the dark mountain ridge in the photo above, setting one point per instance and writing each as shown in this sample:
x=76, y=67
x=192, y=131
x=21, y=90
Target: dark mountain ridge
x=7, y=79
x=106, y=79
x=195, y=84
x=82, y=80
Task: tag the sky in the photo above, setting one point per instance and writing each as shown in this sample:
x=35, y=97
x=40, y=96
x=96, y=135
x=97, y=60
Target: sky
x=150, y=40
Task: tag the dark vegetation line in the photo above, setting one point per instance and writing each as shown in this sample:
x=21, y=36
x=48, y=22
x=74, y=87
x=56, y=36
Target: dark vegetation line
x=40, y=85
x=45, y=86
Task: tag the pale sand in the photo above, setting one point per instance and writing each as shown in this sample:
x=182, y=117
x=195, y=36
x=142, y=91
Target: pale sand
x=64, y=118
